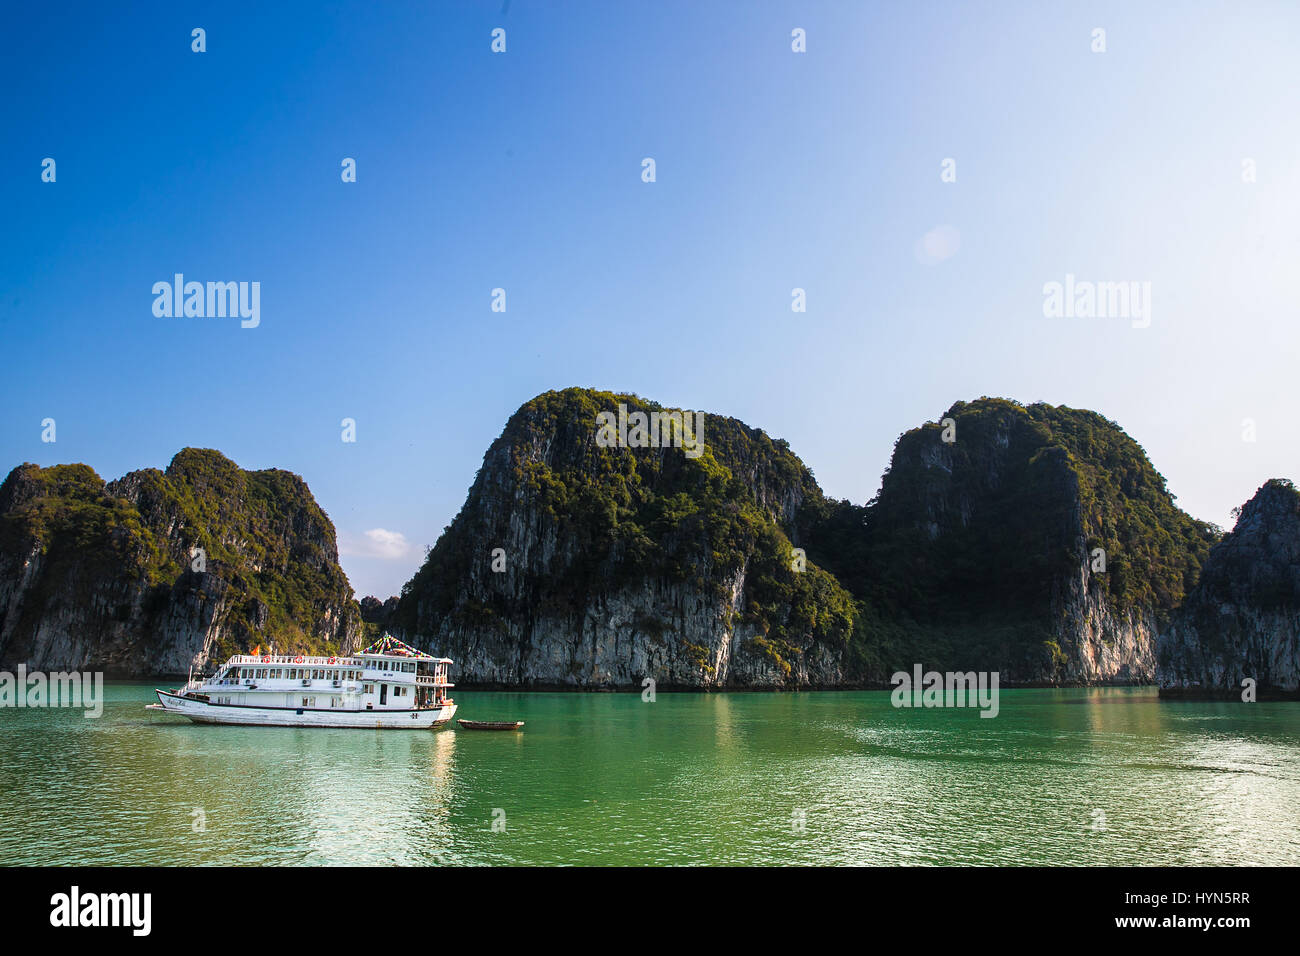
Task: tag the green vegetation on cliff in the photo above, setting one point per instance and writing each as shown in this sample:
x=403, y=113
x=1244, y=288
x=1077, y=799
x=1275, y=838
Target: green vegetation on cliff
x=269, y=550
x=975, y=553
x=627, y=515
x=968, y=545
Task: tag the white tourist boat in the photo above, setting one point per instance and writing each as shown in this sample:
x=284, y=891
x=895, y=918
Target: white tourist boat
x=388, y=685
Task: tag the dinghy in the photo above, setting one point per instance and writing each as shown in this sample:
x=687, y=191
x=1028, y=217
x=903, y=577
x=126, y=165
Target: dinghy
x=491, y=724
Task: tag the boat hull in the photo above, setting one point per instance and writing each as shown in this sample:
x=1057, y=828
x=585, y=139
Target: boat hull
x=251, y=715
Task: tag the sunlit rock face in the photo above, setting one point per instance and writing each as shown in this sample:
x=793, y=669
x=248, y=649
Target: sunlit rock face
x=573, y=564
x=583, y=566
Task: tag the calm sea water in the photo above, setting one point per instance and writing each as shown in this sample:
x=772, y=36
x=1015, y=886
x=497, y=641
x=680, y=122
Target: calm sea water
x=1058, y=777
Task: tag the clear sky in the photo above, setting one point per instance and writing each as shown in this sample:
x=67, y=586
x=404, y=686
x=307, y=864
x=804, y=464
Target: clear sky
x=523, y=170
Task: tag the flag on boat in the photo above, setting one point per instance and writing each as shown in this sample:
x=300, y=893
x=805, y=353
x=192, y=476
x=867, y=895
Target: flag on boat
x=391, y=645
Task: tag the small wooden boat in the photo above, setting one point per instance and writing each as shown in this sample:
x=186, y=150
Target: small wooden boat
x=491, y=724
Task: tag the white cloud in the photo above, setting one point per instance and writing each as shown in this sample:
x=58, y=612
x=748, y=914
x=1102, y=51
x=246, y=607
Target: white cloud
x=941, y=242
x=376, y=543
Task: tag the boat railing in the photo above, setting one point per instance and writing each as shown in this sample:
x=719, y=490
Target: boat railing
x=379, y=664
x=297, y=659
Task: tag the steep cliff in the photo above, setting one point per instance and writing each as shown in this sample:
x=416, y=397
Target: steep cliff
x=1034, y=540
x=1243, y=618
x=983, y=552
x=104, y=576
x=577, y=565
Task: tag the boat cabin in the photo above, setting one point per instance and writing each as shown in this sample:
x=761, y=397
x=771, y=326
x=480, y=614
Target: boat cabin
x=388, y=675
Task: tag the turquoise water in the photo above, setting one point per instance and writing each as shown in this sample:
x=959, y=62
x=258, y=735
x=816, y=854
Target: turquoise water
x=1058, y=777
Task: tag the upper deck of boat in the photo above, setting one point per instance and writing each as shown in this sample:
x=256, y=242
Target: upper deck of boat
x=355, y=660
x=268, y=671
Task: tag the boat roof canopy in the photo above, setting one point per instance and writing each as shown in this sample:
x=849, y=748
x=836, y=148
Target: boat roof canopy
x=389, y=646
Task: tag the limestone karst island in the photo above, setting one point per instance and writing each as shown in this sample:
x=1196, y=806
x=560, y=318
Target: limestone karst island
x=1035, y=541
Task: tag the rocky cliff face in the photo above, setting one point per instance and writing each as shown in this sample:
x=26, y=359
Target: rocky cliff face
x=104, y=576
x=1034, y=540
x=1243, y=619
x=981, y=552
x=575, y=565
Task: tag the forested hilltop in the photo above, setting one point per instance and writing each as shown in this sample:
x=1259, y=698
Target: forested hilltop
x=159, y=571
x=617, y=564
x=1034, y=540
x=1038, y=540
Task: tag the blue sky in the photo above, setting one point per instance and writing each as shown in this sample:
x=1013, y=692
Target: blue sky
x=522, y=170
